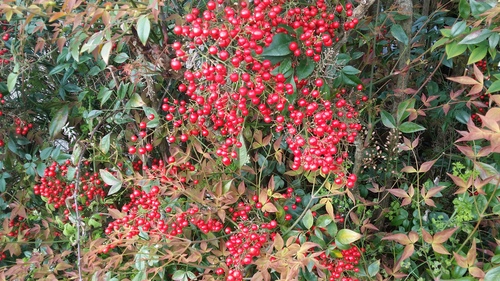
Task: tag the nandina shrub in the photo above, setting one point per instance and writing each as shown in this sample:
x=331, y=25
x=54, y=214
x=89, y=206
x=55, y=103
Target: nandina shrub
x=224, y=176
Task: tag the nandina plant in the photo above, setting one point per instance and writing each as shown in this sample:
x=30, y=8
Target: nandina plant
x=205, y=149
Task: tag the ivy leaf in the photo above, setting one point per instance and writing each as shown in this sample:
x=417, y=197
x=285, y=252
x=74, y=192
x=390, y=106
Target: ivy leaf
x=143, y=29
x=398, y=33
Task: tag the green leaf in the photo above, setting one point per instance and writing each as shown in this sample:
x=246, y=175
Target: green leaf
x=58, y=68
x=476, y=37
x=410, y=127
x=135, y=101
x=387, y=119
x=493, y=40
x=108, y=178
x=305, y=68
x=178, y=275
x=104, y=95
x=402, y=112
x=493, y=274
x=350, y=70
x=308, y=219
x=464, y=9
x=143, y=29
x=104, y=143
x=454, y=49
x=343, y=59
x=458, y=28
x=398, y=33
x=279, y=46
x=373, y=268
x=439, y=43
x=106, y=51
x=323, y=221
x=243, y=156
x=347, y=236
x=94, y=41
x=494, y=87
x=58, y=122
x=121, y=57
x=477, y=54
x=479, y=7
x=462, y=116
x=115, y=188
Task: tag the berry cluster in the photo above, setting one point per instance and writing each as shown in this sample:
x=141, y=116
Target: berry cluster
x=22, y=127
x=227, y=80
x=16, y=226
x=55, y=187
x=339, y=268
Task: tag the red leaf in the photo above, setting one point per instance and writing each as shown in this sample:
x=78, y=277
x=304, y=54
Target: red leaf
x=427, y=236
x=443, y=236
x=464, y=80
x=399, y=237
x=426, y=166
x=398, y=192
x=446, y=108
x=407, y=252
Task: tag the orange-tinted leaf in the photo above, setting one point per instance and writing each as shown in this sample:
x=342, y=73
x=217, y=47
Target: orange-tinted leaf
x=427, y=236
x=269, y=207
x=461, y=261
x=413, y=236
x=429, y=202
x=476, y=272
x=471, y=254
x=446, y=109
x=476, y=89
x=495, y=98
x=443, y=236
x=458, y=181
x=407, y=252
x=433, y=191
x=278, y=242
x=466, y=150
x=409, y=169
x=398, y=192
x=399, y=237
x=478, y=74
x=56, y=16
x=455, y=95
x=439, y=248
x=464, y=80
x=426, y=166
x=329, y=210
